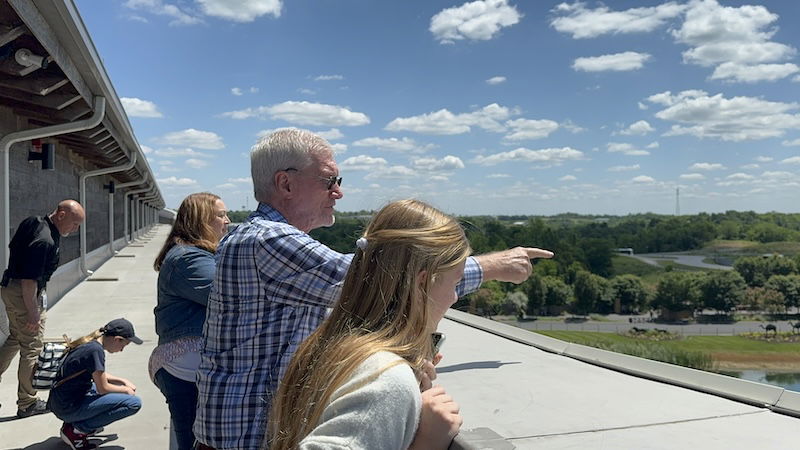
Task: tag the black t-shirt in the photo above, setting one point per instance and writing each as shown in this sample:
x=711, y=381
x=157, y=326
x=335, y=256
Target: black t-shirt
x=88, y=358
x=34, y=251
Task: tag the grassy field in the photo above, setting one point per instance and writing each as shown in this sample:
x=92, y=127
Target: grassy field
x=749, y=248
x=726, y=352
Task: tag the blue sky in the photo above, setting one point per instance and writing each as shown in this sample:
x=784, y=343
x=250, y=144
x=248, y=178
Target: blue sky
x=482, y=107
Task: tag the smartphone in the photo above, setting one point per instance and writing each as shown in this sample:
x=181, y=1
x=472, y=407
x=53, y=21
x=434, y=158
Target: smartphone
x=438, y=340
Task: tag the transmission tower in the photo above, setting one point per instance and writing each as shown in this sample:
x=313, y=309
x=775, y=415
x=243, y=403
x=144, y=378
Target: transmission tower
x=677, y=201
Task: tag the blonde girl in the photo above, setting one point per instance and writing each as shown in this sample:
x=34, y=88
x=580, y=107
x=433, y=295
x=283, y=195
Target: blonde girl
x=355, y=382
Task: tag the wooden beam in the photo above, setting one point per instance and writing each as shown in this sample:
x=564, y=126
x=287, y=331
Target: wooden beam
x=56, y=101
x=11, y=33
x=42, y=84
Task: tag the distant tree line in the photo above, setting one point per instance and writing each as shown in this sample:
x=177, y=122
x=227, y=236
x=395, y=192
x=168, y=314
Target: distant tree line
x=580, y=279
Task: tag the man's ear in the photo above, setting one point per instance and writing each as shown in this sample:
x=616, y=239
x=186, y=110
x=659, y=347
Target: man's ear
x=283, y=184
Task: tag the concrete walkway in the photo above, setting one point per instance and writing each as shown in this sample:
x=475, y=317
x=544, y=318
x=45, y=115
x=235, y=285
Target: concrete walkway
x=87, y=307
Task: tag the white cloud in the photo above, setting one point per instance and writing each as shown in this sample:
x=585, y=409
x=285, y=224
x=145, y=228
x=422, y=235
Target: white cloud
x=625, y=148
x=243, y=180
x=498, y=175
x=750, y=166
x=304, y=113
x=391, y=144
x=171, y=152
x=339, y=148
x=643, y=179
x=638, y=128
x=707, y=166
x=328, y=77
x=734, y=119
x=764, y=159
x=524, y=129
x=237, y=91
x=393, y=172
x=736, y=39
x=253, y=90
x=158, y=7
x=496, y=80
x=447, y=123
x=196, y=163
x=617, y=62
x=792, y=160
x=478, y=20
x=793, y=143
x=777, y=175
x=331, y=134
x=739, y=176
x=305, y=91
x=547, y=155
x=654, y=144
x=582, y=23
x=362, y=162
x=623, y=168
x=190, y=137
x=642, y=106
x=226, y=186
x=135, y=107
x=692, y=176
x=567, y=178
x=175, y=181
x=449, y=162
x=731, y=71
x=145, y=149
x=571, y=127
x=241, y=10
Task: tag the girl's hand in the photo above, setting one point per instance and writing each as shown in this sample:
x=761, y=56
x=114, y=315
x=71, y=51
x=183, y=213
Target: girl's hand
x=439, y=421
x=428, y=373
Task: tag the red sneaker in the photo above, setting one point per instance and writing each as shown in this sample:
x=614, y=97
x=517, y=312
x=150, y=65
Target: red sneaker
x=75, y=440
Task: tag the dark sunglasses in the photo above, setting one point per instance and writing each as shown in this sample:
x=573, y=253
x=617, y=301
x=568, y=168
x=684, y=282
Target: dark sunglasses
x=329, y=181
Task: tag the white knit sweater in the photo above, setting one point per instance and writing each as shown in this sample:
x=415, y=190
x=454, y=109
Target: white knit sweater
x=381, y=414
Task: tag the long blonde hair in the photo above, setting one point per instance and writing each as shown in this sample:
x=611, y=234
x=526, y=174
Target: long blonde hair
x=192, y=225
x=93, y=336
x=383, y=307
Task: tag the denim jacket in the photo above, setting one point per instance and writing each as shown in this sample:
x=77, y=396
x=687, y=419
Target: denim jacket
x=184, y=282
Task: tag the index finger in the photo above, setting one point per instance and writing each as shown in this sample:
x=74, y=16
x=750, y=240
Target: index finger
x=534, y=253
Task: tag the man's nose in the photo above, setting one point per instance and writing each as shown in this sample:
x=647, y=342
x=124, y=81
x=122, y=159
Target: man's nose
x=337, y=192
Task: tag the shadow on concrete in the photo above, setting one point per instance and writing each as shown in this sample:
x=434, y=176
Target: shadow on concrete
x=473, y=365
x=55, y=443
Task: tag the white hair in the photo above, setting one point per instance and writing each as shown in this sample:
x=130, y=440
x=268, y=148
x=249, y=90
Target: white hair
x=283, y=149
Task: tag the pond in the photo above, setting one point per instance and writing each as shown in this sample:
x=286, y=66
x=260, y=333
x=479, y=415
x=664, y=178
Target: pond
x=787, y=380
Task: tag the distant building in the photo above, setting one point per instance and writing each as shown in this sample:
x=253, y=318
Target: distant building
x=624, y=250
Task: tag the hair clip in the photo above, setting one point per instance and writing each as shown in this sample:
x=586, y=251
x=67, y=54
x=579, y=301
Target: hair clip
x=362, y=243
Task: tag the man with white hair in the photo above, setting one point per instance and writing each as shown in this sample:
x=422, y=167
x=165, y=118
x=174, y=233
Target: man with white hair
x=274, y=283
x=34, y=258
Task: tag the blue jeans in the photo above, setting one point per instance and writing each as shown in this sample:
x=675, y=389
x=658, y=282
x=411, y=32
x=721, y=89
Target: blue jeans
x=181, y=398
x=99, y=410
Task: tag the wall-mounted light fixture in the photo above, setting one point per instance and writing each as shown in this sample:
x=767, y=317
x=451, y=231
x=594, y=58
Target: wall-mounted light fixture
x=44, y=152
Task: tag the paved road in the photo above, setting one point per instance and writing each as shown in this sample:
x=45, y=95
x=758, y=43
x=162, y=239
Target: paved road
x=678, y=258
x=621, y=327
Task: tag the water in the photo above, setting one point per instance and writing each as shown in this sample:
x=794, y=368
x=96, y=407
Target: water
x=787, y=380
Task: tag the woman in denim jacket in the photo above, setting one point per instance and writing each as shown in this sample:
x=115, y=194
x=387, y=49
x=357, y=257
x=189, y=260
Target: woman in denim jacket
x=185, y=269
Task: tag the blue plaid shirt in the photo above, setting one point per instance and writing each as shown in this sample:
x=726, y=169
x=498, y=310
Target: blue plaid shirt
x=272, y=288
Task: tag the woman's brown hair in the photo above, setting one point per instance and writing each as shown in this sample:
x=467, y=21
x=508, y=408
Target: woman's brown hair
x=192, y=225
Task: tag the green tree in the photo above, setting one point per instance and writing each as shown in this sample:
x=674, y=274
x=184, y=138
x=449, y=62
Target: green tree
x=629, y=291
x=788, y=285
x=535, y=291
x=591, y=293
x=557, y=293
x=514, y=303
x=677, y=291
x=722, y=291
x=756, y=270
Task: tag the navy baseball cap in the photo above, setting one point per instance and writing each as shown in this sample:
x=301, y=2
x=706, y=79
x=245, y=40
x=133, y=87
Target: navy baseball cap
x=122, y=328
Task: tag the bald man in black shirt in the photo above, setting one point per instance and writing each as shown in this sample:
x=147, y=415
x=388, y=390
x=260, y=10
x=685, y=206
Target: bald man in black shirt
x=34, y=258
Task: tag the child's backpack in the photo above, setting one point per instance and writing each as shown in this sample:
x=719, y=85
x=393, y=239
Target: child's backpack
x=48, y=365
